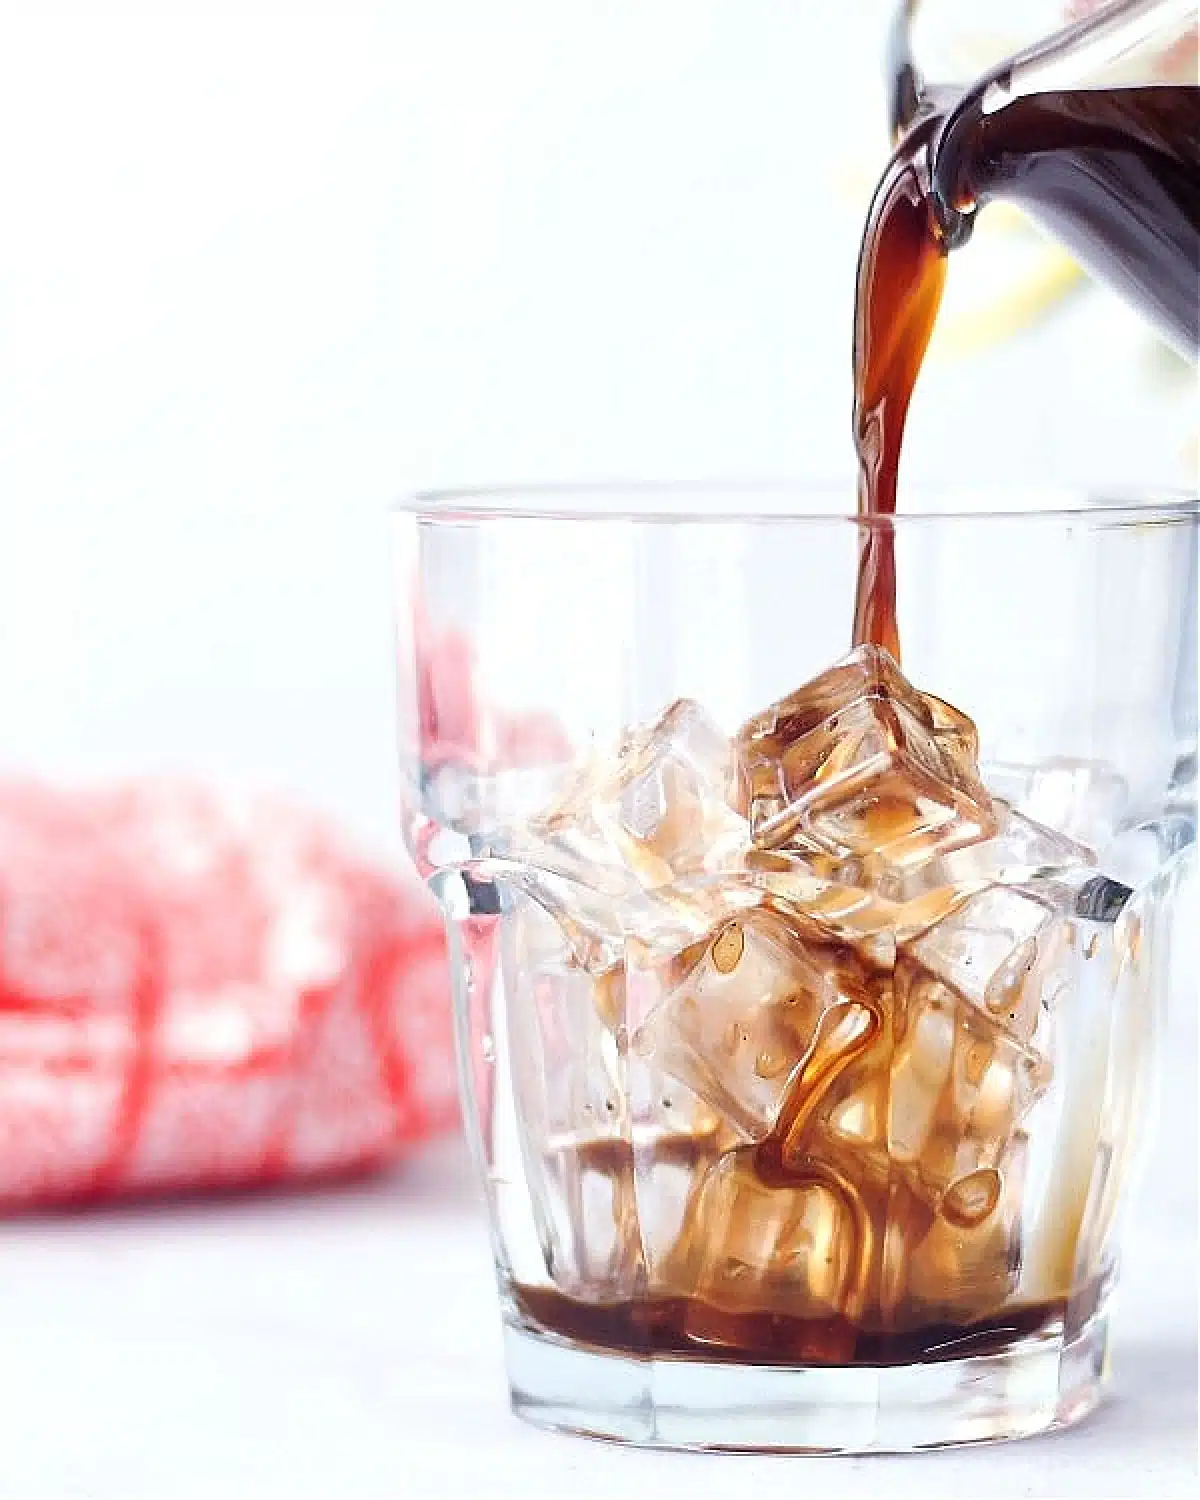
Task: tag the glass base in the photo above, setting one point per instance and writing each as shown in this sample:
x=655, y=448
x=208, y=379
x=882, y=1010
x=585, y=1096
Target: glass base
x=1040, y=1382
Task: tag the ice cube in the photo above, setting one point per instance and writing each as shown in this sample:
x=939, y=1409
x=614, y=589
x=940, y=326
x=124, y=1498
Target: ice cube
x=592, y=923
x=676, y=1138
x=576, y=1016
x=960, y=1081
x=676, y=1134
x=798, y=1262
x=739, y=1014
x=589, y=1217
x=1083, y=799
x=1019, y=850
x=891, y=1216
x=604, y=927
x=657, y=808
x=838, y=897
x=566, y=1043
x=754, y=1250
x=1002, y=950
x=565, y=844
x=858, y=762
x=667, y=809
x=612, y=856
x=965, y=1266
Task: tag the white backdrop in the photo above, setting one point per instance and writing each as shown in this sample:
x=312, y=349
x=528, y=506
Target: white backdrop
x=265, y=267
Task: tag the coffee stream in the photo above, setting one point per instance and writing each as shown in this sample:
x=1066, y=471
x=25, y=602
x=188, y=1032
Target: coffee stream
x=1114, y=173
x=901, y=273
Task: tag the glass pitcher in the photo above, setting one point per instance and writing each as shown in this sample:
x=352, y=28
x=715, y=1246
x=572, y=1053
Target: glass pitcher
x=1086, y=116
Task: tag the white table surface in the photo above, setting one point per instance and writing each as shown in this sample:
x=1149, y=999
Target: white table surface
x=346, y=1343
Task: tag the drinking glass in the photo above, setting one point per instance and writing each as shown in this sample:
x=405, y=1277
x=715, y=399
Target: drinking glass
x=786, y=1146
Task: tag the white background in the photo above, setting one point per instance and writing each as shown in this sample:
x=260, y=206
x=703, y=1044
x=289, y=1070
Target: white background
x=263, y=269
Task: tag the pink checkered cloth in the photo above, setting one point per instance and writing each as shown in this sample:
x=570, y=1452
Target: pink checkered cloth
x=199, y=991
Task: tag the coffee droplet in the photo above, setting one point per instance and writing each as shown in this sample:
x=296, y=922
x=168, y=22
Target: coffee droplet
x=728, y=947
x=968, y=1201
x=609, y=994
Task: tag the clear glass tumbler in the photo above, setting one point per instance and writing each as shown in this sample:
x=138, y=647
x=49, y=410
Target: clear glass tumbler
x=806, y=1035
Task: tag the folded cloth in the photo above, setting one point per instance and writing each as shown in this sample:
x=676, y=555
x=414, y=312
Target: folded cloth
x=199, y=990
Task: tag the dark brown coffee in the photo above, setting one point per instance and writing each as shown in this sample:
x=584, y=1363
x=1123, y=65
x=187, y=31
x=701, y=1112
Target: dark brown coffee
x=679, y=1326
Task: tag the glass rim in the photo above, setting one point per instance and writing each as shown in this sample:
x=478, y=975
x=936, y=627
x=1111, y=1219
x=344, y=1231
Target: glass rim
x=765, y=503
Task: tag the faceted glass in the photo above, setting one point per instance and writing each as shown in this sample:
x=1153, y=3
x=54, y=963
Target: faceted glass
x=807, y=1001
